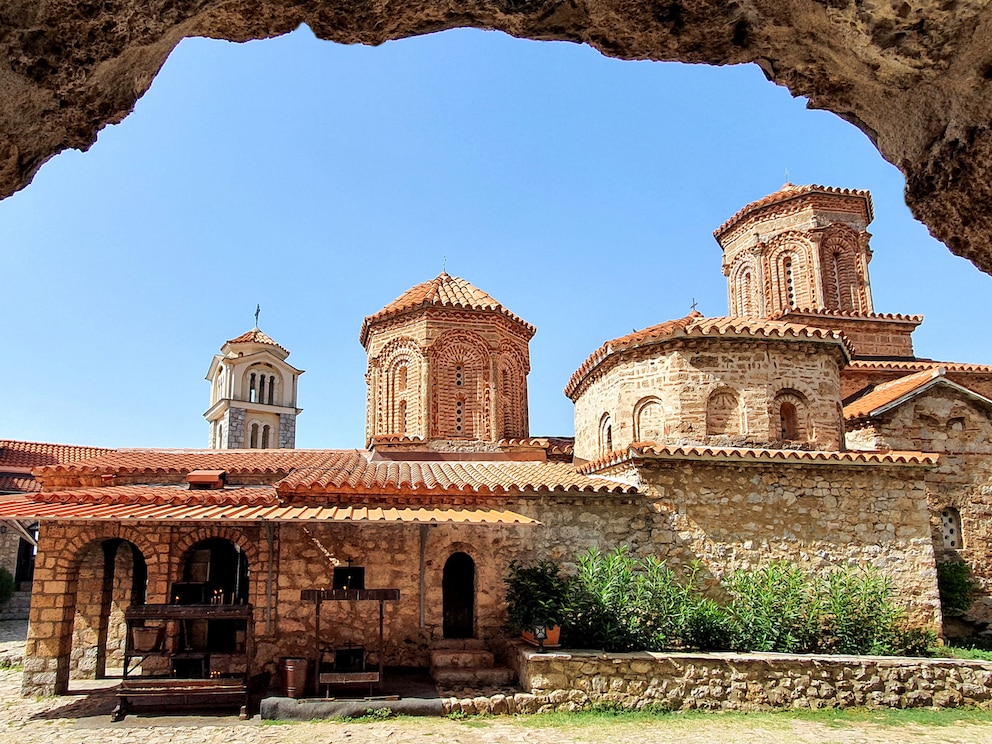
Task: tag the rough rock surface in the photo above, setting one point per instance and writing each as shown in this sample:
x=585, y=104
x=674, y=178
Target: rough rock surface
x=914, y=76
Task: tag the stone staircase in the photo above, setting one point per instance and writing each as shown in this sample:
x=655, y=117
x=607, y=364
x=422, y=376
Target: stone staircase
x=466, y=662
x=17, y=608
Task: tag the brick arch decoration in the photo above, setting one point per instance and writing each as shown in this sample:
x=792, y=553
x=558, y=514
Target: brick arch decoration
x=470, y=352
x=250, y=544
x=723, y=412
x=401, y=352
x=650, y=422
x=511, y=387
x=789, y=245
x=800, y=405
x=842, y=269
x=744, y=285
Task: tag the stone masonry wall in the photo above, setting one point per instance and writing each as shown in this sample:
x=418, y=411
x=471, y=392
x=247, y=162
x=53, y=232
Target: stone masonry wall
x=725, y=516
x=683, y=376
x=948, y=422
x=287, y=430
x=748, y=682
x=234, y=428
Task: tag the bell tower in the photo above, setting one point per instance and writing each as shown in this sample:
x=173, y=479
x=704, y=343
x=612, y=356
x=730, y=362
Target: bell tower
x=252, y=395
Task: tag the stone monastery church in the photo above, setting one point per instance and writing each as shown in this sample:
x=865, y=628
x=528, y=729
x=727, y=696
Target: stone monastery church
x=801, y=426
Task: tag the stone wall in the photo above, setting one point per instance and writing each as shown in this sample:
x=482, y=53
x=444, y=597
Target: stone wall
x=683, y=375
x=748, y=682
x=287, y=430
x=959, y=428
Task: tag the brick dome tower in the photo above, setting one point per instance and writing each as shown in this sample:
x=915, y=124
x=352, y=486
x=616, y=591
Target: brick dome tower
x=801, y=254
x=446, y=362
x=803, y=247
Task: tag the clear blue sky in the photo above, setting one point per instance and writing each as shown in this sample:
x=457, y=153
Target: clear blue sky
x=321, y=181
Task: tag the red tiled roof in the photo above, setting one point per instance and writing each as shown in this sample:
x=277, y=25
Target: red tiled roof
x=887, y=394
x=12, y=483
x=893, y=317
x=18, y=454
x=180, y=462
x=441, y=291
x=695, y=325
x=255, y=336
x=791, y=191
x=650, y=450
x=178, y=504
x=915, y=365
x=354, y=473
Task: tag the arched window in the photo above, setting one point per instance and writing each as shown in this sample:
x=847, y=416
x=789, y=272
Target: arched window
x=265, y=436
x=401, y=422
x=788, y=421
x=460, y=423
x=253, y=441
x=401, y=374
x=723, y=417
x=261, y=388
x=252, y=389
x=950, y=523
x=272, y=389
x=605, y=435
x=790, y=285
x=792, y=412
x=649, y=420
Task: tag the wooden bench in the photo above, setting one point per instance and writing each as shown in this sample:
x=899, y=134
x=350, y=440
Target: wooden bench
x=179, y=692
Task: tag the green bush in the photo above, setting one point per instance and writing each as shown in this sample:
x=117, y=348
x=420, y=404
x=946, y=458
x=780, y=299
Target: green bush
x=536, y=594
x=957, y=587
x=6, y=585
x=620, y=603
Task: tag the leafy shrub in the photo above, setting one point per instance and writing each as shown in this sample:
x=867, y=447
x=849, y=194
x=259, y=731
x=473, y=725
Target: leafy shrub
x=859, y=614
x=775, y=608
x=536, y=594
x=957, y=587
x=6, y=585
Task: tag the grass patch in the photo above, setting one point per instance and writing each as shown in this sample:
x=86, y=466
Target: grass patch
x=965, y=652
x=832, y=717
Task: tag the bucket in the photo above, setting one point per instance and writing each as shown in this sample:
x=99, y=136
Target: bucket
x=295, y=671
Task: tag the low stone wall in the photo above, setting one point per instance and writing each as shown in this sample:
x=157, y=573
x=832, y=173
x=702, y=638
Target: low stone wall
x=755, y=681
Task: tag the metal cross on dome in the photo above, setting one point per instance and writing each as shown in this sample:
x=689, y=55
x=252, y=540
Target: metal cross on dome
x=258, y=309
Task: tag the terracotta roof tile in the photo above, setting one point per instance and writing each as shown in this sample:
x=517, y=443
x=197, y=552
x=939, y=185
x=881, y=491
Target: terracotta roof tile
x=441, y=291
x=792, y=191
x=12, y=483
x=695, y=325
x=820, y=312
x=147, y=495
x=887, y=394
x=181, y=462
x=650, y=450
x=255, y=336
x=357, y=475
x=916, y=365
x=14, y=453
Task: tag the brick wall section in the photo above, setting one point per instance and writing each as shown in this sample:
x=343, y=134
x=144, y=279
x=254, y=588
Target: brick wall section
x=438, y=348
x=746, y=682
x=683, y=376
x=960, y=429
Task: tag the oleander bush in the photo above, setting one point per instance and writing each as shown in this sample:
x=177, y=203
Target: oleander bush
x=617, y=602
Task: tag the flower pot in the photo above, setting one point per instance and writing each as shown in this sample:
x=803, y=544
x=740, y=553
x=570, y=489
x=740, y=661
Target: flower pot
x=552, y=641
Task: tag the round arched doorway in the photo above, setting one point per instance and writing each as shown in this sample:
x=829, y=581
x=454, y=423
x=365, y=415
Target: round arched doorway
x=458, y=589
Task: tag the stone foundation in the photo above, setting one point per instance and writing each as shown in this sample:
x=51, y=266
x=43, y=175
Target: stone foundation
x=746, y=682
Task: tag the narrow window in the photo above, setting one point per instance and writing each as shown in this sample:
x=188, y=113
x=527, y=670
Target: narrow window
x=272, y=389
x=458, y=376
x=789, y=419
x=401, y=379
x=253, y=442
x=789, y=285
x=401, y=424
x=261, y=388
x=950, y=523
x=252, y=391
x=459, y=412
x=265, y=437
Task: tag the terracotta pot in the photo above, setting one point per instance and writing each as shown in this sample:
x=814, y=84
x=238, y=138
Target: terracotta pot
x=552, y=641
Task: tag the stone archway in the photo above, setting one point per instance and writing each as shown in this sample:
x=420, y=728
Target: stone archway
x=915, y=79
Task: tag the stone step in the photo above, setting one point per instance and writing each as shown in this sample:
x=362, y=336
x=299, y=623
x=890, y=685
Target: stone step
x=491, y=677
x=17, y=608
x=461, y=659
x=459, y=644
